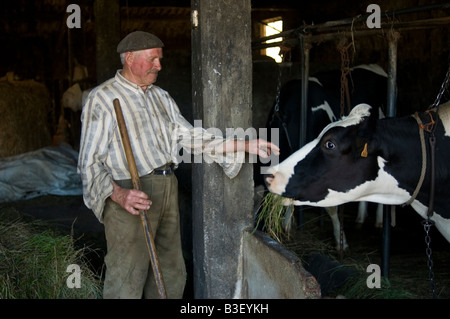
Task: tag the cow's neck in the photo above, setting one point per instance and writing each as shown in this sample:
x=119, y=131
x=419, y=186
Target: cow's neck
x=396, y=140
x=399, y=145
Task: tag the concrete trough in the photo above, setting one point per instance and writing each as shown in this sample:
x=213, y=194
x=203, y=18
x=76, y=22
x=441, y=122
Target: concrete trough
x=269, y=271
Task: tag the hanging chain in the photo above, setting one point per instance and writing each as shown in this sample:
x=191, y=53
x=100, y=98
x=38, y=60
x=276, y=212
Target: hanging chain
x=444, y=87
x=427, y=224
x=345, y=95
x=277, y=114
x=345, y=70
x=277, y=99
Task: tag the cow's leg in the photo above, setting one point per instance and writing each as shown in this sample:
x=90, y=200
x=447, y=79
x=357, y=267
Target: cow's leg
x=362, y=213
x=379, y=216
x=332, y=211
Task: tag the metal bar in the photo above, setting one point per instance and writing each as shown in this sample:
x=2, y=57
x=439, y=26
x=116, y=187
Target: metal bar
x=305, y=46
x=331, y=34
x=393, y=37
x=393, y=13
x=262, y=46
x=386, y=241
x=392, y=73
x=417, y=24
x=328, y=32
x=287, y=33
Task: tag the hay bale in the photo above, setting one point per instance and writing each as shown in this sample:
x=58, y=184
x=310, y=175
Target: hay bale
x=24, y=111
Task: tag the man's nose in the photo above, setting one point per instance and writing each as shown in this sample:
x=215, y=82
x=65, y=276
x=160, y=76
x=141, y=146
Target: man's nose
x=157, y=65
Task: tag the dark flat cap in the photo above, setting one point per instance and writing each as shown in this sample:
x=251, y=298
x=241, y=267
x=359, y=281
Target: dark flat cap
x=139, y=40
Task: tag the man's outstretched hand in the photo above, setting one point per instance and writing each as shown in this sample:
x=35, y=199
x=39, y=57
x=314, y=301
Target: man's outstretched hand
x=261, y=147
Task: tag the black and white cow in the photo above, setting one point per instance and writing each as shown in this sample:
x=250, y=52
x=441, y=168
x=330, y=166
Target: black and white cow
x=361, y=158
x=367, y=84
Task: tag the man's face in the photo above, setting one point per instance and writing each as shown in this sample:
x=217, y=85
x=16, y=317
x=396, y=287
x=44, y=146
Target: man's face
x=145, y=65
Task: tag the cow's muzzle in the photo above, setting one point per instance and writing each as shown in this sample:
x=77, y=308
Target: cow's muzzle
x=268, y=179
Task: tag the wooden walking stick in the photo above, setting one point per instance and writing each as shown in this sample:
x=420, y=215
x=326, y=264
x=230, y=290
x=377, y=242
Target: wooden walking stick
x=137, y=185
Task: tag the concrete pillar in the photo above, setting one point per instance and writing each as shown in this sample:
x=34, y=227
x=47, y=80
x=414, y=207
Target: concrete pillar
x=222, y=86
x=107, y=36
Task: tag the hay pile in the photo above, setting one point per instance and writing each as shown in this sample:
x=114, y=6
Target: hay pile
x=34, y=262
x=24, y=113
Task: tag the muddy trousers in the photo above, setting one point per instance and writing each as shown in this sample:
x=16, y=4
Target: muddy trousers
x=129, y=272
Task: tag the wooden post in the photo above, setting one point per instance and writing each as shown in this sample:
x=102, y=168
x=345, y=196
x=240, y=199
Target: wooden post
x=221, y=92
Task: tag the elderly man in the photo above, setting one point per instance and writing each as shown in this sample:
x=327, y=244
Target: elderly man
x=156, y=128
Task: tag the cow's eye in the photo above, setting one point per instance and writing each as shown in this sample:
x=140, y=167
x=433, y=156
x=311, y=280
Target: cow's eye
x=329, y=145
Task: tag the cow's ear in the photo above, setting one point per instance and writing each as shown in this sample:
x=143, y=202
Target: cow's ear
x=362, y=145
x=368, y=125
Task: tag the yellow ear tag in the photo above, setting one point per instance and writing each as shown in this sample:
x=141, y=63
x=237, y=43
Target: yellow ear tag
x=364, y=151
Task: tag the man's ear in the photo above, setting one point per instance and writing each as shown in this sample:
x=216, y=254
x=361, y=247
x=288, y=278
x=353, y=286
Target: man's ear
x=129, y=58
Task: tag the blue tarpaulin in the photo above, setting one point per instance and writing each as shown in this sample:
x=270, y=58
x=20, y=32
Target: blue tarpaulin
x=50, y=170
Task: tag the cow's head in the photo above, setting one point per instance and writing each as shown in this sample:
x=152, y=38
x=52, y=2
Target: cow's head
x=337, y=167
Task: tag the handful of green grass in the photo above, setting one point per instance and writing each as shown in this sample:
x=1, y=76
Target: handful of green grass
x=273, y=216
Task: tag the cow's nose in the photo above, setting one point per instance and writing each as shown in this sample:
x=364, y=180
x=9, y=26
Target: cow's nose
x=269, y=179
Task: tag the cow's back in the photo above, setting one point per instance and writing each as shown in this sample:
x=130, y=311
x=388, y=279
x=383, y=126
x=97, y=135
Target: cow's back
x=366, y=84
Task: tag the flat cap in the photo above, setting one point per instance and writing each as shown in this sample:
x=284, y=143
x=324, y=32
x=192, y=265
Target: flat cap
x=139, y=40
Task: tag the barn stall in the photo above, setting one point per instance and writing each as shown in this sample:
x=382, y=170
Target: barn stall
x=62, y=57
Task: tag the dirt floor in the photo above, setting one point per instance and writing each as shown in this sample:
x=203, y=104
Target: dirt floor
x=314, y=243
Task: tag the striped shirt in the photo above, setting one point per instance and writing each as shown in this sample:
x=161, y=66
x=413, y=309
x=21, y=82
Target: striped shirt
x=157, y=132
